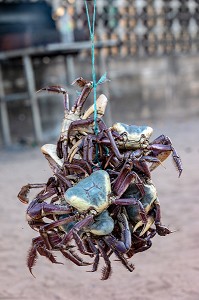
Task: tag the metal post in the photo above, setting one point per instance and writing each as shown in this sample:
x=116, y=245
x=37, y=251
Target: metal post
x=33, y=99
x=103, y=69
x=4, y=114
x=70, y=67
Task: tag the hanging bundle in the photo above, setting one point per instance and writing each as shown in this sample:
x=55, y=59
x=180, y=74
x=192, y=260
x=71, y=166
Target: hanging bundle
x=100, y=200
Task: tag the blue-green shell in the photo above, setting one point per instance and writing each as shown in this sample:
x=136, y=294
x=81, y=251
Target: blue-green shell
x=147, y=200
x=103, y=224
x=67, y=227
x=92, y=191
x=135, y=136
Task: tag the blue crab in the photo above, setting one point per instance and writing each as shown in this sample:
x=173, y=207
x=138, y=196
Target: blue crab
x=98, y=239
x=151, y=205
x=91, y=197
x=75, y=122
x=84, y=211
x=136, y=138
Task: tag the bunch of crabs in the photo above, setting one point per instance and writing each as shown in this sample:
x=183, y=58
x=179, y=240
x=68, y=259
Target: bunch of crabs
x=100, y=200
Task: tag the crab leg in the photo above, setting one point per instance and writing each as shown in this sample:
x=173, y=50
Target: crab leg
x=26, y=189
x=113, y=144
x=80, y=243
x=148, y=242
x=88, y=149
x=75, y=148
x=124, y=245
x=75, y=168
x=45, y=195
x=164, y=147
x=44, y=229
x=96, y=262
x=125, y=231
x=38, y=246
x=141, y=164
x=111, y=241
x=73, y=257
x=106, y=271
x=96, y=252
x=161, y=229
x=83, y=223
x=125, y=178
x=84, y=164
x=112, y=161
x=87, y=88
x=132, y=201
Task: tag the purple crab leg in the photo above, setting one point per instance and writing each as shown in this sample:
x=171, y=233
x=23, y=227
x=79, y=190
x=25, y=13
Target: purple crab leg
x=124, y=245
x=83, y=223
x=87, y=88
x=43, y=230
x=25, y=190
x=75, y=168
x=80, y=243
x=122, y=182
x=83, y=124
x=125, y=231
x=161, y=229
x=164, y=144
x=132, y=201
x=111, y=241
x=96, y=252
x=84, y=164
x=73, y=257
x=106, y=271
x=113, y=144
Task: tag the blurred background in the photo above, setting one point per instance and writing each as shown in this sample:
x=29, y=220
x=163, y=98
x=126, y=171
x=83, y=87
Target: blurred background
x=150, y=51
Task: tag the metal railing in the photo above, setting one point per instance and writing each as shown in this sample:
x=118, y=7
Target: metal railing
x=143, y=27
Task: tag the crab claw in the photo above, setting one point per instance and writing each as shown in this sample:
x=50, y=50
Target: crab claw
x=150, y=221
x=50, y=150
x=23, y=194
x=54, y=89
x=80, y=81
x=101, y=106
x=162, y=230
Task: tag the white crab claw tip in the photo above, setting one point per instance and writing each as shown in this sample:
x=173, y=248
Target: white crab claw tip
x=139, y=224
x=148, y=225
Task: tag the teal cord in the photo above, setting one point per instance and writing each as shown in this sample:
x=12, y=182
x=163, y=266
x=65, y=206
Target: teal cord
x=92, y=38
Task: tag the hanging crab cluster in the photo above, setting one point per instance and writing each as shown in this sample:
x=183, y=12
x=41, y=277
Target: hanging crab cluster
x=100, y=199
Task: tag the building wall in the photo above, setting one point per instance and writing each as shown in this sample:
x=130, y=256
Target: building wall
x=140, y=91
x=155, y=88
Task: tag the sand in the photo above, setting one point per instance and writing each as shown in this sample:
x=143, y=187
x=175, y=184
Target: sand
x=167, y=271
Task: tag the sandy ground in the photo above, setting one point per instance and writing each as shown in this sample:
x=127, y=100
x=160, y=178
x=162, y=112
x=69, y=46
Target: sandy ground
x=168, y=271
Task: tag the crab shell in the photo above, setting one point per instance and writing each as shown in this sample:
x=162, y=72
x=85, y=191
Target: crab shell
x=103, y=224
x=91, y=192
x=147, y=202
x=71, y=116
x=135, y=136
x=50, y=151
x=66, y=227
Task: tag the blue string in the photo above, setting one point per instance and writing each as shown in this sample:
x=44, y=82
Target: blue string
x=92, y=38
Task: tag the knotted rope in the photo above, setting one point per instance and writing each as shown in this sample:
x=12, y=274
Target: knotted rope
x=103, y=78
